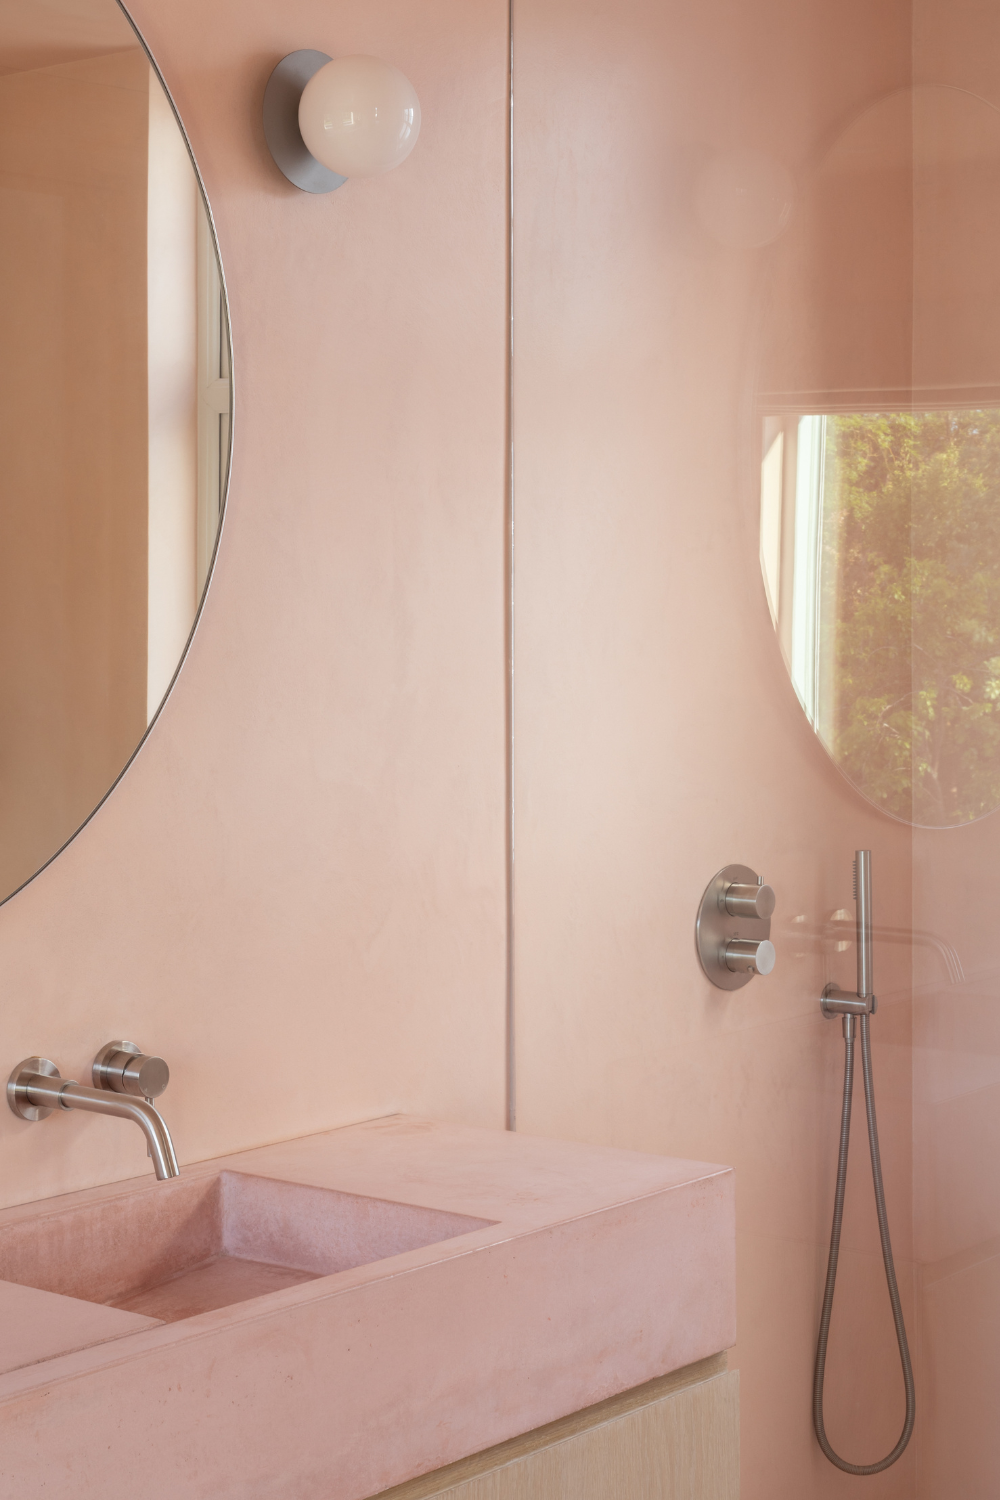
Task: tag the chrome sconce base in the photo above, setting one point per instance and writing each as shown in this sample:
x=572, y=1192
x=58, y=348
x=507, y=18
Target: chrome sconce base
x=281, y=123
x=733, y=929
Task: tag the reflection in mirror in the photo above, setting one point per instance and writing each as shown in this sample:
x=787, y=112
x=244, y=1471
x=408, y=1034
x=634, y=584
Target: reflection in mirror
x=890, y=612
x=879, y=423
x=115, y=400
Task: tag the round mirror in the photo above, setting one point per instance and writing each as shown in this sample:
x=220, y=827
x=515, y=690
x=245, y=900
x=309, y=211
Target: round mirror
x=878, y=418
x=115, y=412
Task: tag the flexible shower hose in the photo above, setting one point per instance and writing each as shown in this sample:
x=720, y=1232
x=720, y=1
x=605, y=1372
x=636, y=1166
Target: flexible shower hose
x=831, y=1270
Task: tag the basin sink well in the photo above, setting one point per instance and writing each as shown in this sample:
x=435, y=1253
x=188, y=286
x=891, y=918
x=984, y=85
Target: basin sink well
x=189, y=1246
x=546, y=1276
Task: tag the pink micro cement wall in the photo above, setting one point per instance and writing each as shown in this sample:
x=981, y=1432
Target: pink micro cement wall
x=297, y=893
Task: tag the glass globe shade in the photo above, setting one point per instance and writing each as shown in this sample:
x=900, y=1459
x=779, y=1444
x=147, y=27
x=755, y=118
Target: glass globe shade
x=359, y=116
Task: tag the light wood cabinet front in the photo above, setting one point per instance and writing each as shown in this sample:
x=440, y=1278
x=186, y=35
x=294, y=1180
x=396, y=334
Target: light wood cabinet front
x=674, y=1439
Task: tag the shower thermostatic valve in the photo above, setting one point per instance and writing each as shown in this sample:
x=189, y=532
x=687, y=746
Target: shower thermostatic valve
x=733, y=930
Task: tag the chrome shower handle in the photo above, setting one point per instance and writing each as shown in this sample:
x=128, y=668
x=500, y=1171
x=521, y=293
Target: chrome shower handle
x=749, y=956
x=838, y=1002
x=742, y=900
x=863, y=921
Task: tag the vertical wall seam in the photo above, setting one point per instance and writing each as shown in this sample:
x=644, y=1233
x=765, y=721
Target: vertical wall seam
x=511, y=1056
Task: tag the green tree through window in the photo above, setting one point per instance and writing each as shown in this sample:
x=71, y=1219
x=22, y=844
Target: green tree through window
x=910, y=581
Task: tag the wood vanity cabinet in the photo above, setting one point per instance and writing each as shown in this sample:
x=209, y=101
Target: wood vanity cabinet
x=676, y=1438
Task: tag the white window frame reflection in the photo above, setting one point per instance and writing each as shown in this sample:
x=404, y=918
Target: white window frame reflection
x=792, y=492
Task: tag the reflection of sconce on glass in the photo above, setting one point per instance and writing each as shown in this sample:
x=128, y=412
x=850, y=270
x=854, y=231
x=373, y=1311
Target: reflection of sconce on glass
x=325, y=121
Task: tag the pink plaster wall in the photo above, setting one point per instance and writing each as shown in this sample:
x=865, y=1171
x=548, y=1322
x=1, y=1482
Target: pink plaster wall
x=297, y=893
x=657, y=735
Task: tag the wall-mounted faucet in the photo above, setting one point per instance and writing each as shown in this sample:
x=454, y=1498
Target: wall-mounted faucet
x=126, y=1082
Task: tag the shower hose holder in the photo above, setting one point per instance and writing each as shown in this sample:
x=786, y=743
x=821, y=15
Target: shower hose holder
x=837, y=1002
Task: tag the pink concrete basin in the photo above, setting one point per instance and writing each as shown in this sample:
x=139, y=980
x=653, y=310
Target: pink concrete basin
x=323, y=1318
x=173, y=1250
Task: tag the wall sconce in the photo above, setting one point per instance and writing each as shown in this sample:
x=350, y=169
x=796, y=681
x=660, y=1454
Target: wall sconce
x=325, y=121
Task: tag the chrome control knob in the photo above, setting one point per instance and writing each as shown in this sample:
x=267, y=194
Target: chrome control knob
x=747, y=956
x=750, y=901
x=121, y=1067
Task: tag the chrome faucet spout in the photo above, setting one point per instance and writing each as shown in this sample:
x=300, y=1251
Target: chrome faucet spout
x=145, y=1115
x=33, y=1093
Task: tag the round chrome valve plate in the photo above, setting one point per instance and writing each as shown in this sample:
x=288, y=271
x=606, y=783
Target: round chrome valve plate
x=715, y=929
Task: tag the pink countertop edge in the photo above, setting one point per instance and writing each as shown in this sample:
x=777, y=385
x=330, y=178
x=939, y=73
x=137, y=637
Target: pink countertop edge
x=602, y=1269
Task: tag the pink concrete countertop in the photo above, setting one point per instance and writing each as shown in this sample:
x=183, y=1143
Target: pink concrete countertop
x=569, y=1273
x=36, y=1326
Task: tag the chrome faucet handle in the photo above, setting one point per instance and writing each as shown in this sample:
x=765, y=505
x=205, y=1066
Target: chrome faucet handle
x=750, y=956
x=749, y=900
x=124, y=1069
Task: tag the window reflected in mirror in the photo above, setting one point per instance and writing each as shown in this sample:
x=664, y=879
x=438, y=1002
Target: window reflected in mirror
x=880, y=554
x=115, y=400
